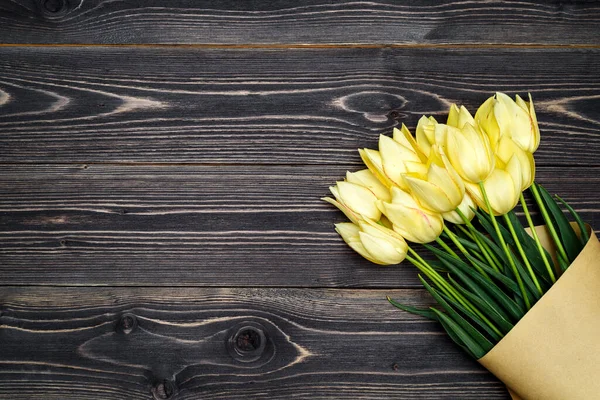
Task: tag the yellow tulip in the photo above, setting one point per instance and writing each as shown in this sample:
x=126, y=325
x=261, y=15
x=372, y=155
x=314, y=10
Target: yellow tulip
x=394, y=158
x=366, y=178
x=468, y=150
x=502, y=116
x=400, y=155
x=440, y=189
x=503, y=187
x=533, y=140
x=486, y=121
x=410, y=219
x=507, y=148
x=374, y=242
x=425, y=134
x=467, y=207
x=458, y=117
x=372, y=159
x=356, y=201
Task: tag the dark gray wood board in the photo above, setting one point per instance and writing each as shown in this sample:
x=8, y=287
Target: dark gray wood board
x=199, y=225
x=299, y=106
x=306, y=22
x=68, y=343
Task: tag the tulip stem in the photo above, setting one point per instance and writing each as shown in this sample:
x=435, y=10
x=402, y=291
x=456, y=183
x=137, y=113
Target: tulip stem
x=446, y=247
x=447, y=288
x=537, y=240
x=511, y=228
x=477, y=254
x=505, y=247
x=487, y=252
x=559, y=247
x=462, y=249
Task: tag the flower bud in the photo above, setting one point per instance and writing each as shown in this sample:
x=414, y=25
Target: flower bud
x=458, y=117
x=501, y=116
x=409, y=219
x=440, y=189
x=507, y=148
x=374, y=242
x=425, y=134
x=468, y=150
x=356, y=201
x=503, y=187
x=372, y=159
x=366, y=178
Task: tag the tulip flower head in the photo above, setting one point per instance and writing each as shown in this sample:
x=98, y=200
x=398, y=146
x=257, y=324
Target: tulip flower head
x=468, y=150
x=501, y=116
x=503, y=187
x=507, y=148
x=425, y=133
x=414, y=222
x=374, y=242
x=365, y=178
x=400, y=155
x=440, y=189
x=354, y=200
x=458, y=117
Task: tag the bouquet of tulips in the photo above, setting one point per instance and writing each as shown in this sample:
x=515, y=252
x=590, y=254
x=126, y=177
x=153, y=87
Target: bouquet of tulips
x=523, y=301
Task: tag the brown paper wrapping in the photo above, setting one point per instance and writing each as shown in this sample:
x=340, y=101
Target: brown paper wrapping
x=553, y=352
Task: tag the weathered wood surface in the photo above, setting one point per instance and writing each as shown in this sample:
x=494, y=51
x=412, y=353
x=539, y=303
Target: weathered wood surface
x=293, y=22
x=294, y=106
x=199, y=225
x=320, y=344
x=187, y=179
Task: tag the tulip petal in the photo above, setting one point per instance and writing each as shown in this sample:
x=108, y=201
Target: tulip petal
x=372, y=159
x=381, y=250
x=466, y=207
x=352, y=216
x=430, y=196
x=453, y=116
x=414, y=224
x=366, y=178
x=359, y=199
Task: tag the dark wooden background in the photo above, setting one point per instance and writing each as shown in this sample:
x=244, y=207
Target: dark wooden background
x=162, y=163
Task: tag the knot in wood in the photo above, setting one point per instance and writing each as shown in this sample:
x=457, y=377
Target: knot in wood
x=248, y=342
x=127, y=323
x=163, y=390
x=55, y=6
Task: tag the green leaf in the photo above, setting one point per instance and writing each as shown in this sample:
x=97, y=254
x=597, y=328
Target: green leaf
x=568, y=237
x=532, y=253
x=424, y=312
x=473, y=317
x=530, y=287
x=481, y=287
x=464, y=324
x=476, y=350
x=455, y=338
x=502, y=323
x=584, y=237
x=505, y=280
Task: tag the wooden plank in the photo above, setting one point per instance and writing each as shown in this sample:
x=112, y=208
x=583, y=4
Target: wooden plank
x=274, y=106
x=66, y=343
x=304, y=22
x=198, y=225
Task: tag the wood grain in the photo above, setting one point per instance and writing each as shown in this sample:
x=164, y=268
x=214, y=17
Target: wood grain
x=198, y=225
x=65, y=344
x=274, y=106
x=305, y=22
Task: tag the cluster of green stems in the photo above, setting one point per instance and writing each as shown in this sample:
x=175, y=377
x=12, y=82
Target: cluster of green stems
x=490, y=266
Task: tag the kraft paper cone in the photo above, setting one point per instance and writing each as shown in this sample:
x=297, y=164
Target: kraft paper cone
x=553, y=352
